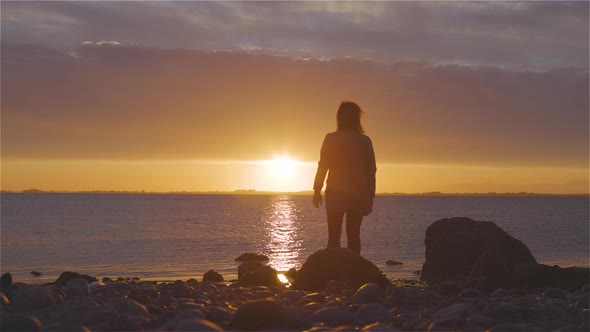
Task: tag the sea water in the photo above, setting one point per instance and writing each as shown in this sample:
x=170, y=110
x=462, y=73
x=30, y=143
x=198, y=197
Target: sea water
x=181, y=236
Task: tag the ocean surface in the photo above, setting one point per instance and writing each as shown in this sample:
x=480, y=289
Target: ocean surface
x=169, y=237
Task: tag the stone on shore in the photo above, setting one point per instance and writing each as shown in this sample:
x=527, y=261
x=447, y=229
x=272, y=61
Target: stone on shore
x=583, y=301
x=248, y=267
x=392, y=262
x=195, y=324
x=540, y=275
x=333, y=316
x=4, y=299
x=263, y=276
x=372, y=313
x=258, y=315
x=68, y=275
x=19, y=322
x=127, y=306
x=212, y=276
x=555, y=293
x=249, y=257
x=77, y=288
x=181, y=290
x=448, y=324
x=28, y=299
x=460, y=247
x=369, y=293
x=337, y=264
x=6, y=280
x=192, y=305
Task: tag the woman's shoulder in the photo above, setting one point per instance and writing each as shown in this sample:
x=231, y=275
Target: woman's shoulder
x=342, y=133
x=332, y=134
x=363, y=137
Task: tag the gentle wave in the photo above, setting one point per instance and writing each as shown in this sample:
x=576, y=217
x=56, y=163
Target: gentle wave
x=183, y=236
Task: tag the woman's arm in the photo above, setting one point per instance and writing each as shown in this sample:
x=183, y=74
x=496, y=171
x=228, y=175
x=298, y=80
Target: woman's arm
x=372, y=169
x=320, y=175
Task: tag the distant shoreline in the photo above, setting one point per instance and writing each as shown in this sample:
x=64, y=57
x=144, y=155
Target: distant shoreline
x=295, y=193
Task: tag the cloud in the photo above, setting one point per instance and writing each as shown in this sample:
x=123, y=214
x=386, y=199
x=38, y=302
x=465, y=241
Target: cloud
x=131, y=102
x=529, y=35
x=100, y=43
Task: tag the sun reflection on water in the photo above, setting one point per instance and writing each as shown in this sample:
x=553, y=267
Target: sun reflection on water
x=283, y=243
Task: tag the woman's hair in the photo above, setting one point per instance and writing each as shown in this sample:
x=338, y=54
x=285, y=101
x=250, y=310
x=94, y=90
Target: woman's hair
x=348, y=117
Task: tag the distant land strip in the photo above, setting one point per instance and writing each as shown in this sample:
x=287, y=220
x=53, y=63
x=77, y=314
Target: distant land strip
x=307, y=192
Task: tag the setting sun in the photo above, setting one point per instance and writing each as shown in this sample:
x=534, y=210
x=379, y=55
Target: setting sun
x=283, y=166
x=284, y=173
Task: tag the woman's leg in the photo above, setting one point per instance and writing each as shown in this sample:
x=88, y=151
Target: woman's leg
x=353, y=231
x=334, y=228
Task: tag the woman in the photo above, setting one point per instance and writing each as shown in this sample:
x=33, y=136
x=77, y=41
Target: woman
x=349, y=157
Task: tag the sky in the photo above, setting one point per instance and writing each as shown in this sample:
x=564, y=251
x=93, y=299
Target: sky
x=195, y=96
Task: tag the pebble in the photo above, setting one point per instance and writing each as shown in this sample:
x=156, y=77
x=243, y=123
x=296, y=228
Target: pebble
x=372, y=313
x=258, y=315
x=5, y=280
x=470, y=293
x=459, y=310
x=193, y=305
x=448, y=324
x=554, y=309
x=197, y=325
x=79, y=310
x=77, y=288
x=498, y=293
x=369, y=293
x=218, y=314
x=4, y=299
x=314, y=297
x=127, y=306
x=378, y=327
x=473, y=328
x=181, y=290
x=27, y=299
x=333, y=316
x=154, y=309
x=583, y=301
x=480, y=320
x=19, y=322
x=504, y=327
x=212, y=276
x=555, y=293
x=292, y=295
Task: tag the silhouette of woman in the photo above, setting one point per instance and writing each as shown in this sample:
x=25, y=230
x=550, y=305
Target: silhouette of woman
x=347, y=154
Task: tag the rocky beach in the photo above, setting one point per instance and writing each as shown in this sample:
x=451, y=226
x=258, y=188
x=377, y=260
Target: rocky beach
x=494, y=285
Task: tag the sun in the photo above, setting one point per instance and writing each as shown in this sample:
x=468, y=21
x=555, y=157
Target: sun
x=281, y=173
x=282, y=166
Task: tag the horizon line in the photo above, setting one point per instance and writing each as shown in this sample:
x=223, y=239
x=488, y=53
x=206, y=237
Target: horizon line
x=270, y=192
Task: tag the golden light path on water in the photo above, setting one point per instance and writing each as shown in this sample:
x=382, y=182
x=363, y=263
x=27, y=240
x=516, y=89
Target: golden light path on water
x=283, y=243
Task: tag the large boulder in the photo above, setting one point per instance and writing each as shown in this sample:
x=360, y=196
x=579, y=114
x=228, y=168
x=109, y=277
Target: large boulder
x=338, y=264
x=68, y=275
x=544, y=276
x=455, y=246
x=248, y=267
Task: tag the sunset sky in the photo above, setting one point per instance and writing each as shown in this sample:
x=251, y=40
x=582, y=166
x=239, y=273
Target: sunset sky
x=196, y=96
